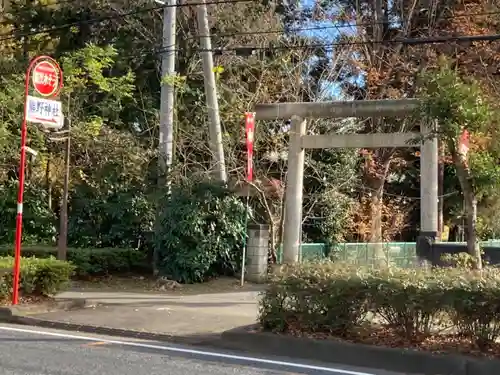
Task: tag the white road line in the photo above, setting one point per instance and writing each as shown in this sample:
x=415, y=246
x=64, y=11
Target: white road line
x=189, y=351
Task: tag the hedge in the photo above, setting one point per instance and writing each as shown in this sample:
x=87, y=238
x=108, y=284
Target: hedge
x=38, y=277
x=336, y=299
x=91, y=262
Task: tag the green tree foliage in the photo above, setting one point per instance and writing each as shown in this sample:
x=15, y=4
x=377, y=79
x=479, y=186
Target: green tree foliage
x=92, y=99
x=460, y=106
x=112, y=97
x=111, y=205
x=202, y=232
x=39, y=221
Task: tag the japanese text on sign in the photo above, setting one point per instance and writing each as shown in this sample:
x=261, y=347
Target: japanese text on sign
x=44, y=111
x=40, y=78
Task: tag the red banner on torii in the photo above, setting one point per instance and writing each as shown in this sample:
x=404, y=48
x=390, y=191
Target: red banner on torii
x=463, y=143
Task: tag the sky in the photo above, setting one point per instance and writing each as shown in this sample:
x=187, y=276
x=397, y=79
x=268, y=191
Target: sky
x=327, y=35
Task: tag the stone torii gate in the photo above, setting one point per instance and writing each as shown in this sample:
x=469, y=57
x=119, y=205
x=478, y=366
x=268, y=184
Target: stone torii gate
x=300, y=140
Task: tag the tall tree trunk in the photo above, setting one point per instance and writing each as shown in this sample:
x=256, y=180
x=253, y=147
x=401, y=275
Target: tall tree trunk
x=48, y=181
x=272, y=227
x=376, y=222
x=377, y=183
x=281, y=225
x=378, y=179
x=470, y=202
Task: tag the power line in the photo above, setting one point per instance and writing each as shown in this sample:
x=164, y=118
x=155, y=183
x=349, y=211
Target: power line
x=405, y=41
x=368, y=24
x=248, y=50
x=245, y=50
x=13, y=34
x=330, y=27
x=361, y=188
x=335, y=27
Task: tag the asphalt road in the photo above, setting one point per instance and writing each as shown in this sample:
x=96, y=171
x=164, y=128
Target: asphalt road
x=31, y=351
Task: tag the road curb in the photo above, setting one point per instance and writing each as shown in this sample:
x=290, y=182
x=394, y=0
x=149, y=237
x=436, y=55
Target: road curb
x=51, y=306
x=389, y=359
x=198, y=340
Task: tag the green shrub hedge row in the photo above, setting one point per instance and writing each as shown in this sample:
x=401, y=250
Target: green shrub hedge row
x=91, y=262
x=336, y=299
x=38, y=277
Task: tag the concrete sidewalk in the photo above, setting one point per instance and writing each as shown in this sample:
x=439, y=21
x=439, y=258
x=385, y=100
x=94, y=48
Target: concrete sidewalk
x=201, y=315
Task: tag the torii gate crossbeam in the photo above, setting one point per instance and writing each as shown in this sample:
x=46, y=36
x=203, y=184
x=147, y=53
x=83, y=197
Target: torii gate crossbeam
x=299, y=141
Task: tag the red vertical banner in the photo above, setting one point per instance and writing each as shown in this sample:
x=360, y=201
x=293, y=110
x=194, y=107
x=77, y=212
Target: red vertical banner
x=463, y=143
x=249, y=136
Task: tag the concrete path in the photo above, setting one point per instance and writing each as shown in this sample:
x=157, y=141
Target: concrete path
x=177, y=315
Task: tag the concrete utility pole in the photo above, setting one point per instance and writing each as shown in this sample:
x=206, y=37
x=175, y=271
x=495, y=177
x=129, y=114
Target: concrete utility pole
x=299, y=141
x=211, y=93
x=166, y=131
x=166, y=141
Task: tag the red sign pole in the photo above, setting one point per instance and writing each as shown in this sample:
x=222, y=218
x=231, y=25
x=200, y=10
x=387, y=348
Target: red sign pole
x=22, y=163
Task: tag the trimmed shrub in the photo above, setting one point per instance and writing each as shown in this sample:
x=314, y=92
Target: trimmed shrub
x=101, y=262
x=475, y=306
x=335, y=298
x=39, y=277
x=91, y=262
x=409, y=301
x=460, y=260
x=315, y=298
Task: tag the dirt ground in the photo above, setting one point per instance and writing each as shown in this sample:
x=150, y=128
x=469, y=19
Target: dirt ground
x=143, y=284
x=377, y=335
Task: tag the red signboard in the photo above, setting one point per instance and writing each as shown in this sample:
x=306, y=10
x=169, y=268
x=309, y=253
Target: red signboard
x=249, y=135
x=45, y=78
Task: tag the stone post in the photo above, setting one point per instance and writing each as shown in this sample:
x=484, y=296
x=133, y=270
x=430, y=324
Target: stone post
x=257, y=253
x=429, y=152
x=292, y=228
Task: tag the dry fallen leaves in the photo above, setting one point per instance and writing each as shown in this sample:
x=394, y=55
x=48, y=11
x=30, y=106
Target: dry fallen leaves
x=388, y=337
